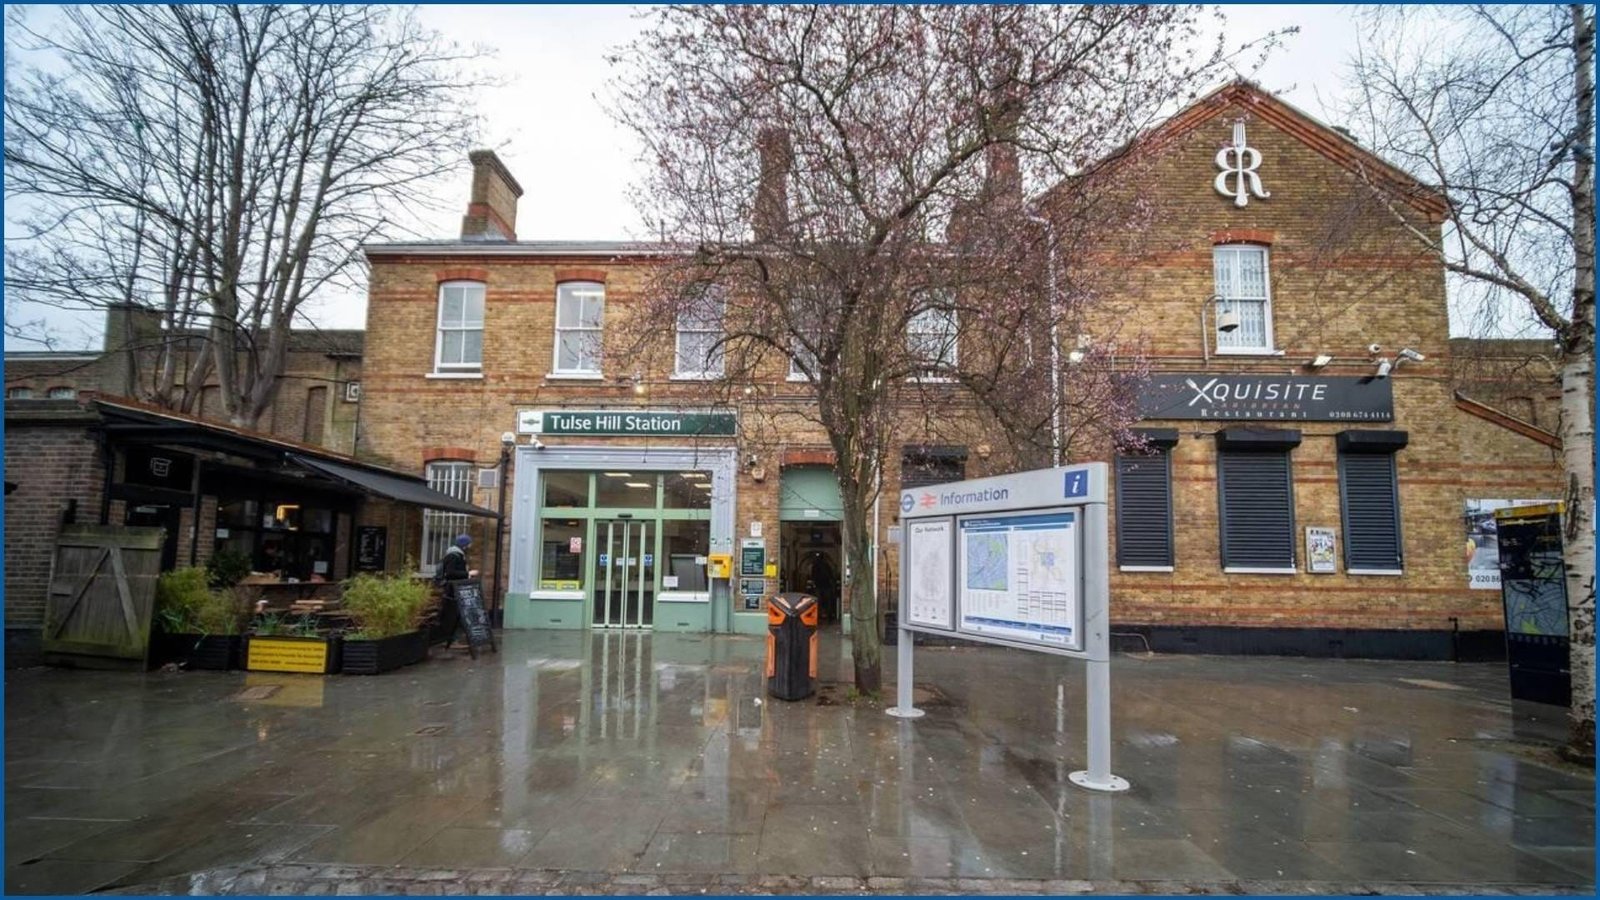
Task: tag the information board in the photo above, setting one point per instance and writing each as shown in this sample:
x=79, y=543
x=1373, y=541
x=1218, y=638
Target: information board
x=473, y=619
x=1019, y=578
x=372, y=548
x=930, y=568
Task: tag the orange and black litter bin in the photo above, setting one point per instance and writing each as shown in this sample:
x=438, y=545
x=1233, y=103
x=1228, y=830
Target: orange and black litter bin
x=792, y=646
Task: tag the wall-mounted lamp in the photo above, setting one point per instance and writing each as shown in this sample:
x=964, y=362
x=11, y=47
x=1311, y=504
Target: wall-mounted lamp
x=1319, y=361
x=1384, y=367
x=1227, y=321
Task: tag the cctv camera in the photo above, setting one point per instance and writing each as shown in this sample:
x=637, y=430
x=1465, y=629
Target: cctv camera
x=1374, y=348
x=537, y=444
x=1383, y=367
x=1412, y=355
x=508, y=438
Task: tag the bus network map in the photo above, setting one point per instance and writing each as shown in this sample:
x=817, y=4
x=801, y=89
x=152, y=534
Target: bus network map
x=1019, y=577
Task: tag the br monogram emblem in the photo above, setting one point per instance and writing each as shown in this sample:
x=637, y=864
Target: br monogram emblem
x=1240, y=163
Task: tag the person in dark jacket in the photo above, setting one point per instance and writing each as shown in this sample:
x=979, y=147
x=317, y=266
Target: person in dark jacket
x=453, y=567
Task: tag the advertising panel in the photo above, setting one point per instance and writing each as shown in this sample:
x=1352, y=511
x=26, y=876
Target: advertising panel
x=1305, y=398
x=1483, y=556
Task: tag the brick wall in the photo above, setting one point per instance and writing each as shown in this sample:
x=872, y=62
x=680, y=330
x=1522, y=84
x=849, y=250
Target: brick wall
x=52, y=463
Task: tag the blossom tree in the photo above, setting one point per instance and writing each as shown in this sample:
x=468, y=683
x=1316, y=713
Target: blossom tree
x=848, y=189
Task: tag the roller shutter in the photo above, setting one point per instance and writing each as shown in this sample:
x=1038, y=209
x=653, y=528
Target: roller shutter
x=1369, y=500
x=1257, y=508
x=1144, y=510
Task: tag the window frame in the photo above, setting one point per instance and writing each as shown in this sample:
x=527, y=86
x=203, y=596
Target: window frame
x=949, y=357
x=19, y=393
x=705, y=373
x=566, y=290
x=61, y=392
x=458, y=369
x=1269, y=345
x=460, y=486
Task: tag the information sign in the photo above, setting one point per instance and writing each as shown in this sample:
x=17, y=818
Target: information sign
x=472, y=618
x=1019, y=578
x=930, y=570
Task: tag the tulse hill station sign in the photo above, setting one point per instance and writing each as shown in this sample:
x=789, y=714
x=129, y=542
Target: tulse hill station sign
x=620, y=422
x=1304, y=398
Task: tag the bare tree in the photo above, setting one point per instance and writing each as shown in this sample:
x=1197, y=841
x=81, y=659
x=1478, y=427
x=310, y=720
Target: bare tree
x=851, y=179
x=220, y=165
x=1495, y=106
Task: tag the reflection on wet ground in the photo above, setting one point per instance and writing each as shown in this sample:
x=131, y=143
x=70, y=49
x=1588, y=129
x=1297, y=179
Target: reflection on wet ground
x=660, y=754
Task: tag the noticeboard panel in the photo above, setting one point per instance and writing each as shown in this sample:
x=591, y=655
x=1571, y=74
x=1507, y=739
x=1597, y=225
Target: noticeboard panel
x=1019, y=578
x=930, y=573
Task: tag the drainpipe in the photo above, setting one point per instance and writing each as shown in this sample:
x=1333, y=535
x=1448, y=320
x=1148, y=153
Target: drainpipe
x=1055, y=340
x=497, y=611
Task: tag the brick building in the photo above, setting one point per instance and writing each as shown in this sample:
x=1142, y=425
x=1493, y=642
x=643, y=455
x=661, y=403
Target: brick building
x=1283, y=419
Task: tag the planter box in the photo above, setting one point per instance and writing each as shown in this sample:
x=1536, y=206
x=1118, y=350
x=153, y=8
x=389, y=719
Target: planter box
x=372, y=657
x=207, y=652
x=279, y=653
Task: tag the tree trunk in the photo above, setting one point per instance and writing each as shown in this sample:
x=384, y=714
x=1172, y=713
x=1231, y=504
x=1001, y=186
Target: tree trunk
x=1577, y=444
x=866, y=649
x=1577, y=403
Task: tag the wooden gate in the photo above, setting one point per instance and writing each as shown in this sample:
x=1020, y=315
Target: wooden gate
x=102, y=595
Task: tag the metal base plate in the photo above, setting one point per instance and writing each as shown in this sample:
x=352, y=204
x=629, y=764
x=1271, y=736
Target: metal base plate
x=910, y=712
x=1112, y=784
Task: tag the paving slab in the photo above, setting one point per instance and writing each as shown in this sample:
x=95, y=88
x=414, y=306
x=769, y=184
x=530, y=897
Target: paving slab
x=574, y=762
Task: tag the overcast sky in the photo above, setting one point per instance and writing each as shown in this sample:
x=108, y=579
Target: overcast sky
x=549, y=126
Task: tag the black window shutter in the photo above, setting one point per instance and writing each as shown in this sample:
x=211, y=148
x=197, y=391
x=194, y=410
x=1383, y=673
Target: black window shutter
x=1144, y=510
x=1257, y=506
x=923, y=467
x=1371, y=507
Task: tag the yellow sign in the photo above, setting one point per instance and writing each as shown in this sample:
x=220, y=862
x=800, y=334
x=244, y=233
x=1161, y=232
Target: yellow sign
x=284, y=655
x=561, y=585
x=719, y=565
x=772, y=570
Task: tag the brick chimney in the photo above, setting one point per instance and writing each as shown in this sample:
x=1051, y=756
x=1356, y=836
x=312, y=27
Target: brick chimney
x=770, y=217
x=492, y=209
x=131, y=329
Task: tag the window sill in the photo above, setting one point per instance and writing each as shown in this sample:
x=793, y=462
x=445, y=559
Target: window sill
x=1246, y=351
x=1251, y=570
x=574, y=376
x=1374, y=571
x=696, y=376
x=930, y=379
x=684, y=597
x=1144, y=568
x=555, y=595
x=454, y=376
x=797, y=379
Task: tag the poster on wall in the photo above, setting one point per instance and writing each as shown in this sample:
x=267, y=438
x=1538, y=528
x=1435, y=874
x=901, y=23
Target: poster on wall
x=1320, y=554
x=1483, y=556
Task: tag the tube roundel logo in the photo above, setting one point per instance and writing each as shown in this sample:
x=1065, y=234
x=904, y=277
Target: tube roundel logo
x=906, y=502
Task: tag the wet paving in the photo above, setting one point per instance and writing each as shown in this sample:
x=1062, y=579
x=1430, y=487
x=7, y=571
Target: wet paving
x=639, y=754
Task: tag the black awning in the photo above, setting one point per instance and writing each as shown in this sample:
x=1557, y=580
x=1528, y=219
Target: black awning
x=392, y=486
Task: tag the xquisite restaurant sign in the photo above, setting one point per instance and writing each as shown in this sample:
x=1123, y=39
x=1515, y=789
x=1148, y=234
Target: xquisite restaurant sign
x=1304, y=398
x=617, y=422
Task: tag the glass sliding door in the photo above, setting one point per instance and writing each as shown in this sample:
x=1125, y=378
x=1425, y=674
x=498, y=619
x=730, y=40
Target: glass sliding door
x=624, y=573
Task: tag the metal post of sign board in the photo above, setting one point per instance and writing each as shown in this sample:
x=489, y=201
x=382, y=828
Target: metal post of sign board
x=904, y=708
x=1037, y=547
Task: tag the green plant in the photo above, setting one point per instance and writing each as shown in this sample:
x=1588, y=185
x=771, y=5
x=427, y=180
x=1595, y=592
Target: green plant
x=227, y=568
x=181, y=595
x=224, y=611
x=275, y=625
x=384, y=606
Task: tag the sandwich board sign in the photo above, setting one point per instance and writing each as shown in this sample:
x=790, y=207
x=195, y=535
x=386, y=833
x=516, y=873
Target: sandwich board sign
x=1018, y=560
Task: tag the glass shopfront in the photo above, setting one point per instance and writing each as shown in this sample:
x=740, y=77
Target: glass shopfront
x=624, y=541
